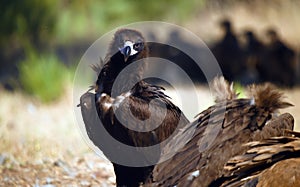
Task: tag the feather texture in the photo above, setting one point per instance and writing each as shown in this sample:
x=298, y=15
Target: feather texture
x=269, y=162
x=219, y=134
x=222, y=90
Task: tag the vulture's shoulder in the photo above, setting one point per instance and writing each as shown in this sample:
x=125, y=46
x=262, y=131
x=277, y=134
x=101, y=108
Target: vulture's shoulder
x=148, y=92
x=144, y=112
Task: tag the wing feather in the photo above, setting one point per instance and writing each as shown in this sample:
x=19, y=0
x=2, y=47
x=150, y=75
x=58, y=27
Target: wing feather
x=218, y=134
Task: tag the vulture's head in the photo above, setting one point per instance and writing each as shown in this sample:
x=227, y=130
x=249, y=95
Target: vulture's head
x=130, y=44
x=127, y=46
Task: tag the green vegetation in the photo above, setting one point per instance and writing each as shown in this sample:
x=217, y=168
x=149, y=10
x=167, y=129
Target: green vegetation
x=41, y=22
x=82, y=19
x=44, y=76
x=240, y=89
x=30, y=21
x=39, y=26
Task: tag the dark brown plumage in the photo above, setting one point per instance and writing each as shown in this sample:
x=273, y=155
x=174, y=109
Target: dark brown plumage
x=270, y=162
x=133, y=102
x=219, y=134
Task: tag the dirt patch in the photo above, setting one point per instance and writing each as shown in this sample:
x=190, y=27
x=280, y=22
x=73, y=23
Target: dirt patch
x=41, y=145
x=81, y=171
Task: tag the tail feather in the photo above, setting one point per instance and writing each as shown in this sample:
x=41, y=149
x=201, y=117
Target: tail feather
x=222, y=90
x=268, y=96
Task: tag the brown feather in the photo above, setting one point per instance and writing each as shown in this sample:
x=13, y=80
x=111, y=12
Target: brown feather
x=222, y=90
x=268, y=96
x=273, y=162
x=98, y=67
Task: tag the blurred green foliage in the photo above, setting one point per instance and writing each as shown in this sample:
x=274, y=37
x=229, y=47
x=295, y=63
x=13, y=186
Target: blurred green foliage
x=240, y=89
x=83, y=19
x=44, y=76
x=36, y=27
x=27, y=22
x=38, y=23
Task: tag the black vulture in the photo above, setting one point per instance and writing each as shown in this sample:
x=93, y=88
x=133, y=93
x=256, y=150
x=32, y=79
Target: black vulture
x=220, y=132
x=125, y=111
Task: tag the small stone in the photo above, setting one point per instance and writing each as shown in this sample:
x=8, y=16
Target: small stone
x=85, y=183
x=3, y=159
x=49, y=180
x=48, y=185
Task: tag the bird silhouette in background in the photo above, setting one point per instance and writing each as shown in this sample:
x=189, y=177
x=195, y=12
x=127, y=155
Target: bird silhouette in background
x=270, y=162
x=281, y=58
x=219, y=134
x=127, y=107
x=228, y=52
x=253, y=53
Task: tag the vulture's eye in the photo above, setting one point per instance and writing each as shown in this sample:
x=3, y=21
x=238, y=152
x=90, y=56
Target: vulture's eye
x=138, y=46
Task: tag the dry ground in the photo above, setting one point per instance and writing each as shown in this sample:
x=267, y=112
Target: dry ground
x=41, y=145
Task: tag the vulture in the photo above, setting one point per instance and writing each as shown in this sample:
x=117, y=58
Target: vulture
x=270, y=162
x=220, y=132
x=132, y=112
x=126, y=111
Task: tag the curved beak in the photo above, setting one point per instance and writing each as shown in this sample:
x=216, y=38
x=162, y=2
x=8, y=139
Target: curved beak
x=126, y=51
